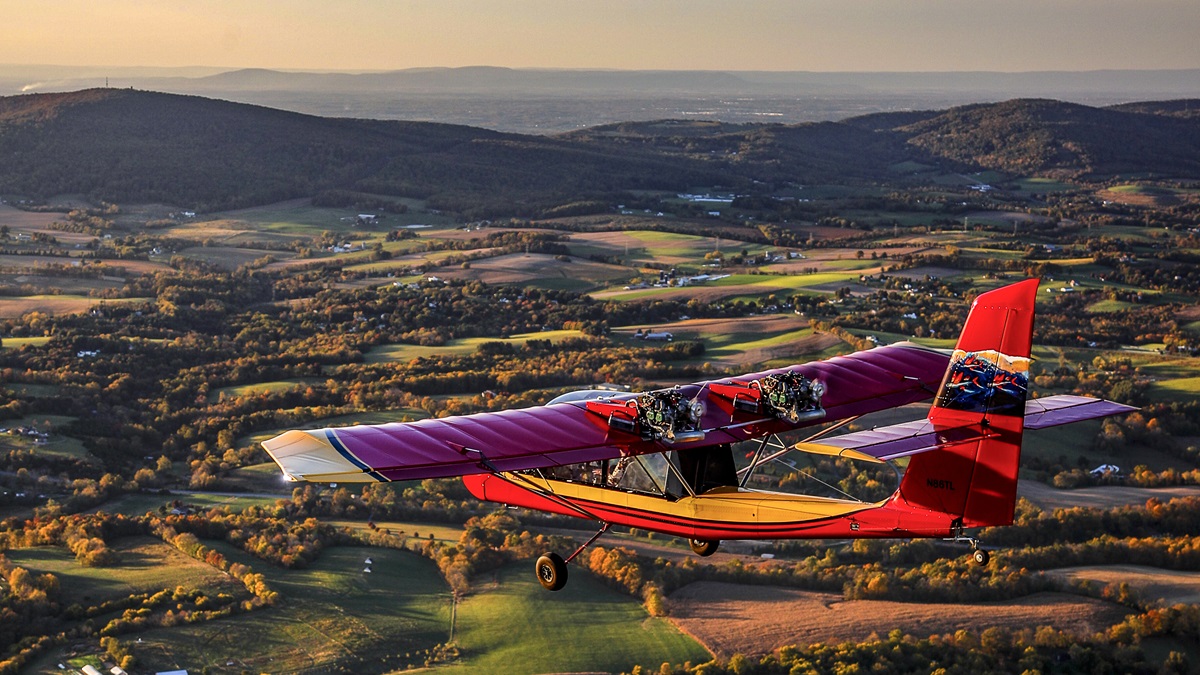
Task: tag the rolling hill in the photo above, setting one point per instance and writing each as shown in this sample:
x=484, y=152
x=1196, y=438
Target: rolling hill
x=138, y=146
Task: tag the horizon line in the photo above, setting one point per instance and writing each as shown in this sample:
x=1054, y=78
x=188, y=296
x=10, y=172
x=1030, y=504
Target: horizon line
x=599, y=69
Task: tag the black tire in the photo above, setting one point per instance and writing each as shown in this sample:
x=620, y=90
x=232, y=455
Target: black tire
x=981, y=557
x=704, y=547
x=551, y=571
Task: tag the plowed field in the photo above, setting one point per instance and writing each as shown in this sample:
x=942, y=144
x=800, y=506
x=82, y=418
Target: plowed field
x=731, y=618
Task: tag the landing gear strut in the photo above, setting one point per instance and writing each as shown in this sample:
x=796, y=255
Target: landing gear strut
x=551, y=569
x=704, y=547
x=978, y=555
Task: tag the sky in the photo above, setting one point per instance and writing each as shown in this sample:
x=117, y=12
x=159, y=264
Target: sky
x=780, y=35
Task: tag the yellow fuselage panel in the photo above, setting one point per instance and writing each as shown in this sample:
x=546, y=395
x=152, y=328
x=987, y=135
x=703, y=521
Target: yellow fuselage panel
x=730, y=505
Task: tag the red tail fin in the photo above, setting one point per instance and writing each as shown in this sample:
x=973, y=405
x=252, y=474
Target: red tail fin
x=986, y=384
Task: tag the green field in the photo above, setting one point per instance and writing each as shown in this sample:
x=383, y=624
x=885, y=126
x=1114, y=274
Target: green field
x=139, y=504
x=260, y=387
x=886, y=338
x=740, y=286
x=17, y=342
x=257, y=478
x=515, y=626
x=301, y=217
x=1105, y=306
x=638, y=247
x=60, y=445
x=144, y=564
x=404, y=352
x=1182, y=389
x=735, y=343
x=1137, y=189
x=35, y=390
x=442, y=532
x=1044, y=185
x=332, y=614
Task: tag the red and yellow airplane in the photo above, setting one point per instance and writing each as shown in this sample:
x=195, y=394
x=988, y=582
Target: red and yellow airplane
x=663, y=460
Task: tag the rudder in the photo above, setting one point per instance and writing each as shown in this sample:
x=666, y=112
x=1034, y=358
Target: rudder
x=986, y=384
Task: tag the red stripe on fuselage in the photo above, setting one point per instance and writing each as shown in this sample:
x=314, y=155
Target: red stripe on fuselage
x=891, y=519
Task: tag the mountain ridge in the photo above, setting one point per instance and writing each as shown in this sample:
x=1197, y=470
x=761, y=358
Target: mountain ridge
x=131, y=145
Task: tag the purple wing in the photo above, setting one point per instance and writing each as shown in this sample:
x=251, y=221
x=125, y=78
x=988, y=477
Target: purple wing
x=566, y=433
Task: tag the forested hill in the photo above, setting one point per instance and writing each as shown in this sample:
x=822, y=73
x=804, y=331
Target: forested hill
x=126, y=145
x=137, y=146
x=1022, y=137
x=1041, y=136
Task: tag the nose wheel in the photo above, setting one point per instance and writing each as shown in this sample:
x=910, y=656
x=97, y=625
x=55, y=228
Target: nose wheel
x=704, y=547
x=981, y=557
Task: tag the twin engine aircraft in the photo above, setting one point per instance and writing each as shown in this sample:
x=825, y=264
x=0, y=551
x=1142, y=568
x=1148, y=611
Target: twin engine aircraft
x=664, y=460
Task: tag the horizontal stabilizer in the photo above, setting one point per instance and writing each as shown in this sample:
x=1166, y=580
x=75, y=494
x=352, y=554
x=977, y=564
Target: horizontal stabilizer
x=894, y=441
x=1041, y=413
x=846, y=453
x=910, y=438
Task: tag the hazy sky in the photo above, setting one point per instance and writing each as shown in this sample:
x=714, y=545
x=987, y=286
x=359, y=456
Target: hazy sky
x=821, y=35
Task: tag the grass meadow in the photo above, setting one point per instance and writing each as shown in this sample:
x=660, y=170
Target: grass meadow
x=512, y=625
x=332, y=614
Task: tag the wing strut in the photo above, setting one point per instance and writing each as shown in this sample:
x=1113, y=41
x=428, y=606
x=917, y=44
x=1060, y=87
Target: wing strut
x=526, y=484
x=785, y=449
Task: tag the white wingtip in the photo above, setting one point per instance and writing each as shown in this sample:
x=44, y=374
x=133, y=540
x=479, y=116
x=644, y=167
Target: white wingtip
x=309, y=456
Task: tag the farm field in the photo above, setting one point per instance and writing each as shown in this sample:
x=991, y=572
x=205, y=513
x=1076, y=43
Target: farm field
x=300, y=217
x=753, y=341
x=407, y=352
x=1181, y=389
x=111, y=268
x=230, y=257
x=260, y=387
x=57, y=304
x=144, y=564
x=142, y=503
x=1105, y=497
x=1151, y=584
x=741, y=286
x=732, y=618
x=638, y=247
x=514, y=626
x=332, y=612
x=539, y=270
x=441, y=532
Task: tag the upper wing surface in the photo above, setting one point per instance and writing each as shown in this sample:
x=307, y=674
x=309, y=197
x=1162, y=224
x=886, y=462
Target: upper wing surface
x=567, y=433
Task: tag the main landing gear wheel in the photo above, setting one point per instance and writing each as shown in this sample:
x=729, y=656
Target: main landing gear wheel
x=704, y=547
x=551, y=571
x=981, y=557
